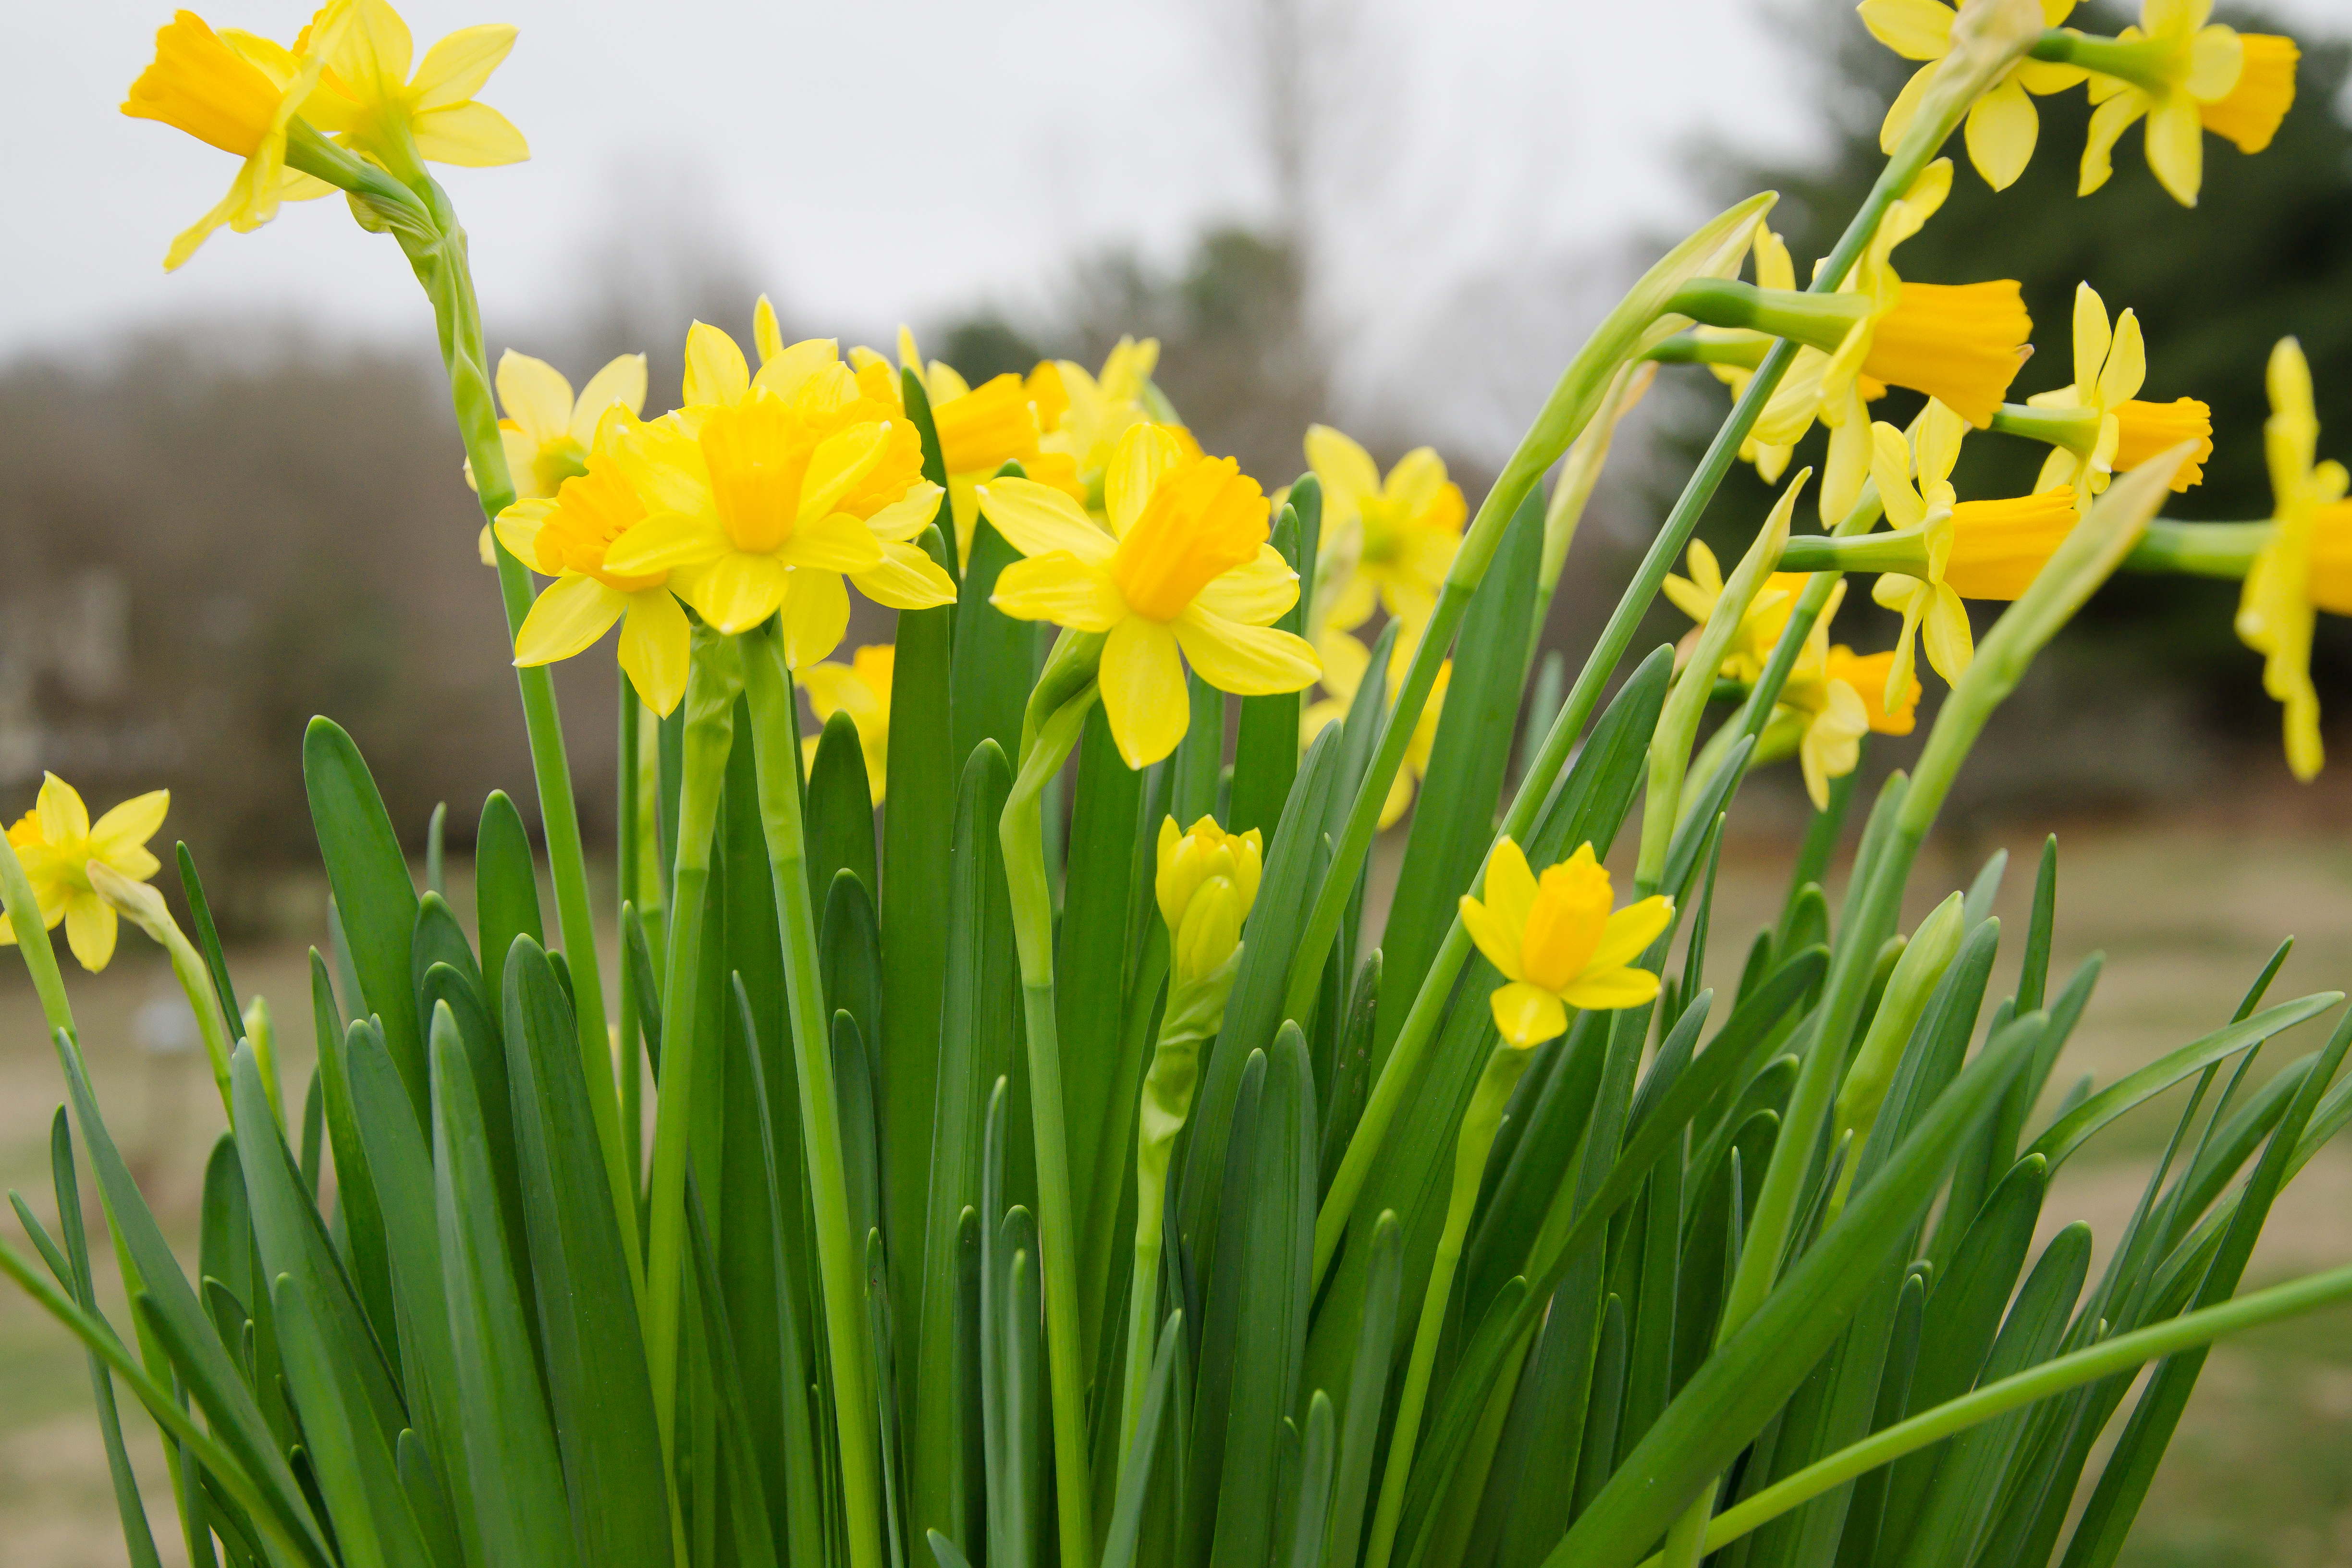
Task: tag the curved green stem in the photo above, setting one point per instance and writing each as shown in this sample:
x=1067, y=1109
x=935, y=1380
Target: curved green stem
x=1903, y=550
x=1021, y=829
x=1479, y=1125
x=776, y=735
x=2225, y=550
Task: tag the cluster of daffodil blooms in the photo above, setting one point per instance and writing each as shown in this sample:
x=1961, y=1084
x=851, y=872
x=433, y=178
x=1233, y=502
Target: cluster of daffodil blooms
x=802, y=1296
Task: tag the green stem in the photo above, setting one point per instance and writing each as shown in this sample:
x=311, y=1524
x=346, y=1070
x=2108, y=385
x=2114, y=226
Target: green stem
x=775, y=734
x=418, y=214
x=1903, y=550
x=2140, y=61
x=2225, y=550
x=2038, y=1383
x=1480, y=1124
x=1689, y=348
x=1021, y=829
x=1822, y=321
x=714, y=679
x=631, y=896
x=24, y=912
x=2076, y=429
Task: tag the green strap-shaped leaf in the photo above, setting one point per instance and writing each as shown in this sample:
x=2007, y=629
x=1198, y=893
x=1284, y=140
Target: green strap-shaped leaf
x=1266, y=748
x=840, y=824
x=506, y=887
x=200, y=913
x=1366, y=1386
x=597, y=1384
x=849, y=952
x=373, y=896
x=374, y=1525
x=995, y=655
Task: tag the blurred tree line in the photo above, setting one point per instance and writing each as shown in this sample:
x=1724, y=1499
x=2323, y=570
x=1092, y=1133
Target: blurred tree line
x=2150, y=685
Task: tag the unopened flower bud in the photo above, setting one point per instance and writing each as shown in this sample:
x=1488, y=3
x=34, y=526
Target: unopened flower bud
x=1211, y=930
x=1190, y=858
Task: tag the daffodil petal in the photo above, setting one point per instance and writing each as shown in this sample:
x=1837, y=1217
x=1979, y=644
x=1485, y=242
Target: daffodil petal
x=1143, y=693
x=838, y=542
x=2001, y=130
x=64, y=819
x=2126, y=368
x=1248, y=661
x=1612, y=989
x=817, y=615
x=1346, y=471
x=621, y=383
x=573, y=612
x=906, y=517
x=1631, y=930
x=469, y=136
x=1060, y=588
x=535, y=395
x=454, y=69
x=90, y=930
x=1915, y=29
x=666, y=541
x=1144, y=454
x=1498, y=940
x=1255, y=594
x=737, y=592
x=1038, y=520
x=123, y=834
x=715, y=368
x=907, y=579
x=2176, y=148
x=1527, y=1015
x=655, y=644
x=1510, y=889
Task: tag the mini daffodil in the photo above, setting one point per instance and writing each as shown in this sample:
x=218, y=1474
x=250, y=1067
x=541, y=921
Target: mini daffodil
x=1960, y=344
x=1346, y=661
x=1184, y=566
x=546, y=431
x=1557, y=944
x=1833, y=698
x=764, y=493
x=1976, y=550
x=860, y=688
x=1767, y=613
x=569, y=536
x=2307, y=564
x=2001, y=125
x=1206, y=879
x=239, y=93
x=373, y=106
x=1395, y=536
x=2177, y=69
x=1083, y=415
x=56, y=842
x=1774, y=269
x=981, y=428
x=2116, y=430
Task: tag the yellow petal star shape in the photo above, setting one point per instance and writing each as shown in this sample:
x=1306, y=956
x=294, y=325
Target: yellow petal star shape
x=2001, y=125
x=56, y=841
x=239, y=93
x=1205, y=880
x=569, y=536
x=1394, y=535
x=1556, y=943
x=1976, y=550
x=2113, y=430
x=1767, y=613
x=1962, y=344
x=860, y=688
x=1184, y=567
x=2184, y=74
x=371, y=104
x=2307, y=564
x=763, y=493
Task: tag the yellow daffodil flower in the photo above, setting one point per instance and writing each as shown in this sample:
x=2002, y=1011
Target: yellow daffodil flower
x=2001, y=124
x=239, y=93
x=1760, y=627
x=1976, y=550
x=2307, y=565
x=1773, y=271
x=860, y=688
x=1960, y=344
x=1085, y=414
x=56, y=842
x=372, y=105
x=546, y=432
x=1185, y=565
x=1395, y=536
x=1833, y=698
x=2116, y=431
x=763, y=494
x=981, y=428
x=1205, y=881
x=1556, y=943
x=569, y=536
x=1345, y=661
x=2175, y=68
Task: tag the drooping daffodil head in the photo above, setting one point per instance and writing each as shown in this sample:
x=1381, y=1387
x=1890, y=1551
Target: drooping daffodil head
x=1557, y=941
x=860, y=688
x=571, y=537
x=2112, y=429
x=1399, y=533
x=2306, y=566
x=56, y=842
x=368, y=98
x=1182, y=575
x=1206, y=880
x=2002, y=126
x=2186, y=74
x=240, y=93
x=763, y=493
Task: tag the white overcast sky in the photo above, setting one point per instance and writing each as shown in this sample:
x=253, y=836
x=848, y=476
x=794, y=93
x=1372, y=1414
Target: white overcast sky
x=875, y=163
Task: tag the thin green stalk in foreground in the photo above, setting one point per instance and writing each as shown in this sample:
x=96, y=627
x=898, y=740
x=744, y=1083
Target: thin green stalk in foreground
x=1046, y=747
x=1480, y=1124
x=417, y=213
x=2055, y=1376
x=715, y=679
x=775, y=737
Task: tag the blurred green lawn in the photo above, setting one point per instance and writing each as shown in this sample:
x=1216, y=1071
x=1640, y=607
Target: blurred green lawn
x=2260, y=1473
